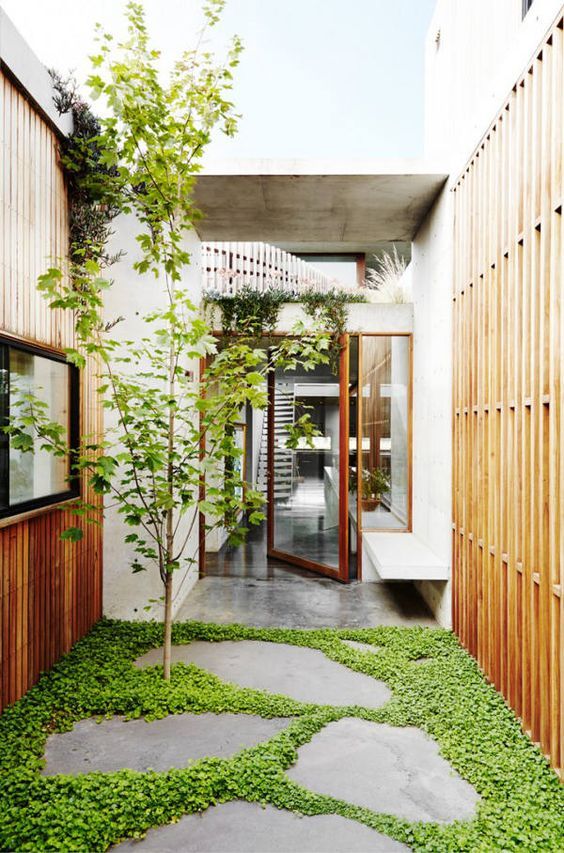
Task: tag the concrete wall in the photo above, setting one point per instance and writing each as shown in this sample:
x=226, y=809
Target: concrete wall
x=475, y=51
x=362, y=317
x=432, y=394
x=132, y=296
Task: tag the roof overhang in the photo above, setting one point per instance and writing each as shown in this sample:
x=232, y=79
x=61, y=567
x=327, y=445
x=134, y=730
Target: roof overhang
x=316, y=206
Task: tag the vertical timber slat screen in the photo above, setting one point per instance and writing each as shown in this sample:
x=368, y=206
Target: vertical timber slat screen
x=229, y=267
x=508, y=466
x=51, y=591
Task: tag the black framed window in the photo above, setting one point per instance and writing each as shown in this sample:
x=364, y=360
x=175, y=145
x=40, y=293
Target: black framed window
x=526, y=6
x=33, y=479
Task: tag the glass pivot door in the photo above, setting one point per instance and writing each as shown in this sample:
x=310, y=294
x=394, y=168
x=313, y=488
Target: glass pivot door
x=307, y=486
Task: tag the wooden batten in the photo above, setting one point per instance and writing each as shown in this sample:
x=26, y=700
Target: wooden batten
x=508, y=464
x=51, y=591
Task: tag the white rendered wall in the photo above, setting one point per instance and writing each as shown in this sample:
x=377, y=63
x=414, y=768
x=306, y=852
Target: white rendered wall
x=132, y=296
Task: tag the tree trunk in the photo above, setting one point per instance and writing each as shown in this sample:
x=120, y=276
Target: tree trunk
x=169, y=512
x=167, y=627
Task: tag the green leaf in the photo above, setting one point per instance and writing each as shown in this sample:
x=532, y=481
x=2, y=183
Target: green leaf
x=72, y=534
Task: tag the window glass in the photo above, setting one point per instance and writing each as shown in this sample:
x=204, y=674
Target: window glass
x=34, y=475
x=306, y=478
x=384, y=480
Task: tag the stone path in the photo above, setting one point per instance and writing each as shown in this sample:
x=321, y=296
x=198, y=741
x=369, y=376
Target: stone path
x=394, y=770
x=239, y=827
x=159, y=745
x=302, y=673
x=390, y=770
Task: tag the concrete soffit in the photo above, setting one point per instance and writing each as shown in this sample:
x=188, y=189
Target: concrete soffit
x=325, y=206
x=22, y=66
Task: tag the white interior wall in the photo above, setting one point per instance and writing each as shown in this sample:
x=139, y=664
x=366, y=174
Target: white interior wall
x=132, y=296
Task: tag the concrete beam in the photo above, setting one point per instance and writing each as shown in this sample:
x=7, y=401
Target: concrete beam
x=323, y=206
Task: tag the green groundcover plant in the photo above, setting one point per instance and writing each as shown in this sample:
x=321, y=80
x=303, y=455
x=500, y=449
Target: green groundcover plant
x=522, y=801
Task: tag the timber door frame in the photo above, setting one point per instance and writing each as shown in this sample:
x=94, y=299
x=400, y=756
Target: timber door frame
x=340, y=573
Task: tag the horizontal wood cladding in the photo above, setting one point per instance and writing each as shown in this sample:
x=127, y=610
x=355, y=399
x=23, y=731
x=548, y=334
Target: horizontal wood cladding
x=51, y=591
x=508, y=489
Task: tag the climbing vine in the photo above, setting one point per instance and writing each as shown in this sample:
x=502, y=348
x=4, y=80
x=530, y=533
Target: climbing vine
x=255, y=313
x=94, y=195
x=329, y=310
x=249, y=312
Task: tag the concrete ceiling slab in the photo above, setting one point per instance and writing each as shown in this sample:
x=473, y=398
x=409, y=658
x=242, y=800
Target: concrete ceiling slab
x=316, y=206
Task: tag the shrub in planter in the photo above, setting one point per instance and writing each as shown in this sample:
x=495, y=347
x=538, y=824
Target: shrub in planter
x=374, y=484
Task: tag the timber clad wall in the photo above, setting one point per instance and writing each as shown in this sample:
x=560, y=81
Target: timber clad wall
x=508, y=401
x=51, y=591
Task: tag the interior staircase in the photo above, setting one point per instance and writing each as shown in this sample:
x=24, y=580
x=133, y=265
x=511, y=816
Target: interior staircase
x=284, y=409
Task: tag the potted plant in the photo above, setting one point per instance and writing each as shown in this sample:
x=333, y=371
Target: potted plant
x=374, y=484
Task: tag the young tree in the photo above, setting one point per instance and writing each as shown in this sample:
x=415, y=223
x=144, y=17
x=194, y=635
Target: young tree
x=143, y=158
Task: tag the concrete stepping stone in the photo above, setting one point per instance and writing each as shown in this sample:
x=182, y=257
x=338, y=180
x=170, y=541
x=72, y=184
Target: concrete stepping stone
x=361, y=647
x=393, y=770
x=240, y=827
x=301, y=673
x=115, y=743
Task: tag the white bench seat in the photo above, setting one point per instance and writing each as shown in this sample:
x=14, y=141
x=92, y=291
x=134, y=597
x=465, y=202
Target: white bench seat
x=400, y=556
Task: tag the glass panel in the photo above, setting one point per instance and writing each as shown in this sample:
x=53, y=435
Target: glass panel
x=385, y=430
x=306, y=480
x=37, y=474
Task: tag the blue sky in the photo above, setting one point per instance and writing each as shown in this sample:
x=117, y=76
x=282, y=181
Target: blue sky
x=318, y=79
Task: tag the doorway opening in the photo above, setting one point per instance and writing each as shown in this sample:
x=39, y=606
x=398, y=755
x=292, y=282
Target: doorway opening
x=354, y=474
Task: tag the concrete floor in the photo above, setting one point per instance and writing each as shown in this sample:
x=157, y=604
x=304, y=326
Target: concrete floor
x=295, y=601
x=242, y=584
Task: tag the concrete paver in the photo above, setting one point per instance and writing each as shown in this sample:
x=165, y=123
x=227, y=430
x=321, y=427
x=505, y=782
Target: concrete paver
x=114, y=743
x=240, y=827
x=304, y=674
x=394, y=770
